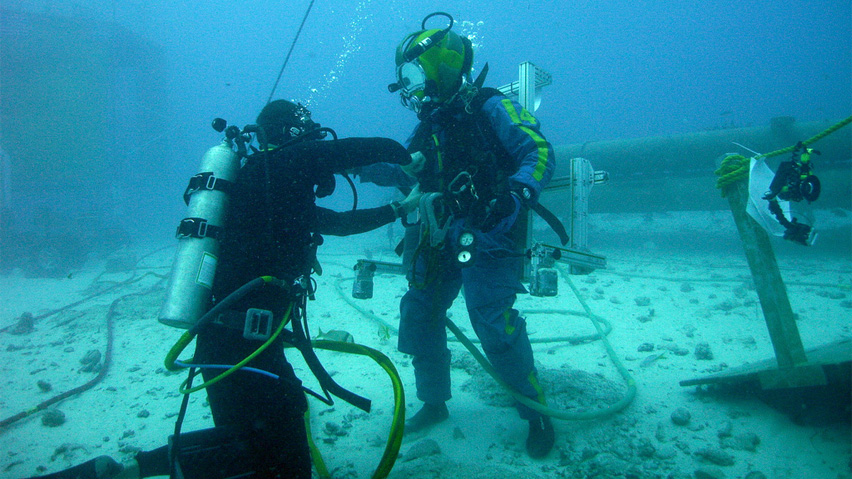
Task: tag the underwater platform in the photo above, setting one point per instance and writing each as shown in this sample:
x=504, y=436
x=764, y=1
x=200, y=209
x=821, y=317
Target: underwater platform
x=826, y=364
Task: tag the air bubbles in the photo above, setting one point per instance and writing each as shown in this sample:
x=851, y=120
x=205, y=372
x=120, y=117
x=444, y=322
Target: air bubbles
x=473, y=31
x=350, y=46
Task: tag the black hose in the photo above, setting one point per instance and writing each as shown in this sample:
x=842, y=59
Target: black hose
x=88, y=385
x=226, y=303
x=354, y=192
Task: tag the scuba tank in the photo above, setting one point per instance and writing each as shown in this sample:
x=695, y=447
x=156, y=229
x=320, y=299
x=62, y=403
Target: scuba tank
x=191, y=282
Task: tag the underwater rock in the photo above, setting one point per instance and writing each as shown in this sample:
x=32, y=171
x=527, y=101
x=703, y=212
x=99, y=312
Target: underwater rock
x=25, y=325
x=686, y=287
x=53, y=418
x=645, y=347
x=725, y=430
x=661, y=434
x=665, y=452
x=424, y=448
x=741, y=292
x=334, y=429
x=44, y=386
x=129, y=449
x=703, y=352
x=642, y=301
x=715, y=456
x=742, y=442
x=830, y=294
x=681, y=416
x=91, y=361
x=709, y=473
x=749, y=342
x=143, y=413
x=67, y=451
x=755, y=475
x=675, y=349
x=644, y=448
x=726, y=306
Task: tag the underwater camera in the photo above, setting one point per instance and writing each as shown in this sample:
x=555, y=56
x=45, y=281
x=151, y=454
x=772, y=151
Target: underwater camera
x=794, y=180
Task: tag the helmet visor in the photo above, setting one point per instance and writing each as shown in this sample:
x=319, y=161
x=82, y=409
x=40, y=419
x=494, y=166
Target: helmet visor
x=411, y=77
x=412, y=82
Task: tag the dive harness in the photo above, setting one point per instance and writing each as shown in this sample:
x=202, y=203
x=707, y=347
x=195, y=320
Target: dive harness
x=258, y=325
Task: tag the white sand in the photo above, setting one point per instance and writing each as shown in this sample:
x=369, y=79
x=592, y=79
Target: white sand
x=482, y=438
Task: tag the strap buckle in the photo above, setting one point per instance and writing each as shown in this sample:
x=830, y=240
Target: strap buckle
x=258, y=324
x=197, y=228
x=205, y=181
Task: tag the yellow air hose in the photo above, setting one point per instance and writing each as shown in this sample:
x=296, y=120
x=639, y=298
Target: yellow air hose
x=398, y=421
x=541, y=408
x=602, y=326
x=397, y=424
x=186, y=338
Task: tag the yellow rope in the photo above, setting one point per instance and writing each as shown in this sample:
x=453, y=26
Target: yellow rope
x=813, y=139
x=736, y=167
x=733, y=169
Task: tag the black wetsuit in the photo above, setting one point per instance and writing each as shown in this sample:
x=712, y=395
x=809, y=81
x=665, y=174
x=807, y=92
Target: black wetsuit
x=269, y=231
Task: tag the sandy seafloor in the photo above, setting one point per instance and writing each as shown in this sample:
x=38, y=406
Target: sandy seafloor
x=657, y=297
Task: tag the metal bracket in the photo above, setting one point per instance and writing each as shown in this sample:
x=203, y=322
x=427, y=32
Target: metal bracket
x=527, y=90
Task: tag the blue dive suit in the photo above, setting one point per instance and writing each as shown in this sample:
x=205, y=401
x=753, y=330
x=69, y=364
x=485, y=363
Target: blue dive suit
x=501, y=147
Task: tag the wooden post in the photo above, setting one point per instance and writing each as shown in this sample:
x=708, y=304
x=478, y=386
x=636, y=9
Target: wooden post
x=777, y=312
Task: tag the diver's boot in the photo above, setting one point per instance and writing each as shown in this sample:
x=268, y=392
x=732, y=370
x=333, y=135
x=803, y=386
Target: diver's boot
x=541, y=438
x=428, y=415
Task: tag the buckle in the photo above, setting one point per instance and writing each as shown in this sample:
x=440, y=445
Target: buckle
x=461, y=183
x=211, y=181
x=258, y=324
x=195, y=183
x=192, y=228
x=205, y=181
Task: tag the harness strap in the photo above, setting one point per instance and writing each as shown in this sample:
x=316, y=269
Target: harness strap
x=552, y=221
x=206, y=181
x=198, y=228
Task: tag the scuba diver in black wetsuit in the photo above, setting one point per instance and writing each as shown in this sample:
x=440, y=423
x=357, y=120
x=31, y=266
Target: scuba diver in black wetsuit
x=277, y=235
x=272, y=229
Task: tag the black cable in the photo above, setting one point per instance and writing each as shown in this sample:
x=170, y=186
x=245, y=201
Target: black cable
x=174, y=450
x=292, y=46
x=354, y=192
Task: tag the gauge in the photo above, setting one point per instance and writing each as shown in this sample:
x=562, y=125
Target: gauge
x=466, y=238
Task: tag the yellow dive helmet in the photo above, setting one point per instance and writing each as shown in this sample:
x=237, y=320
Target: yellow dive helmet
x=431, y=66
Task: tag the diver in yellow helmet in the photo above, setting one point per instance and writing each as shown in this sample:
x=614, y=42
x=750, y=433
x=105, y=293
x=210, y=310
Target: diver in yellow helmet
x=432, y=68
x=483, y=162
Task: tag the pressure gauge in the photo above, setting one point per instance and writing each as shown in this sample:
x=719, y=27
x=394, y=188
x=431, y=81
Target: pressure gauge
x=466, y=238
x=464, y=256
